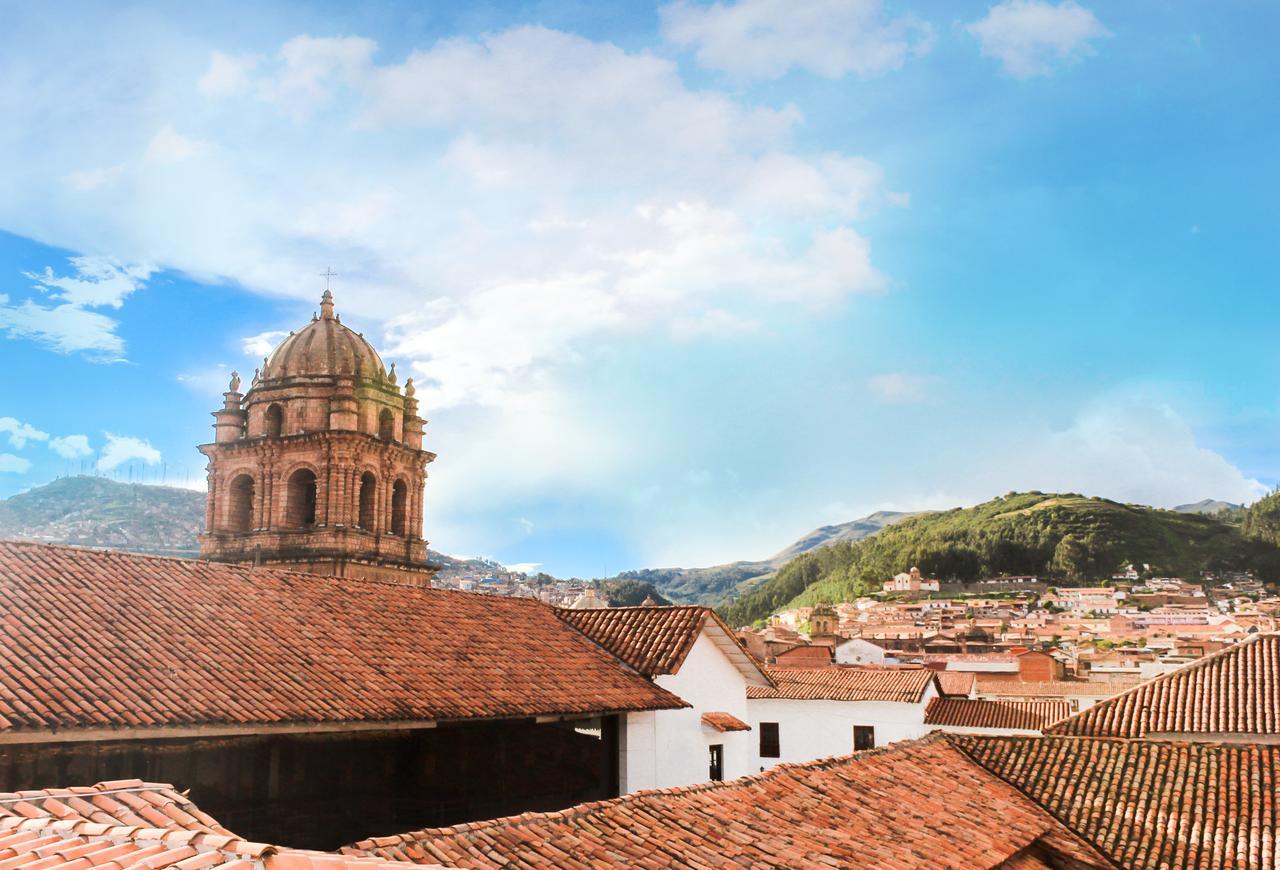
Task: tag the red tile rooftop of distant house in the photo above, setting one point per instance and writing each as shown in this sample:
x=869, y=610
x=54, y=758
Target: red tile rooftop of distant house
x=1003, y=715
x=846, y=684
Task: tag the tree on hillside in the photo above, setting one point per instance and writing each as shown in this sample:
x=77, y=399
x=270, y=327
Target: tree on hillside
x=1071, y=557
x=1262, y=520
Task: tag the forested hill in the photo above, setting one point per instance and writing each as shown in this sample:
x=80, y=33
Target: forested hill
x=98, y=512
x=1066, y=537
x=723, y=583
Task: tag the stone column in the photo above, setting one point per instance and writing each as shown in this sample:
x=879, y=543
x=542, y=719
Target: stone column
x=210, y=500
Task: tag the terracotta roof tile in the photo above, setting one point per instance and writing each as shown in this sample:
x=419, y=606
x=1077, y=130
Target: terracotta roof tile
x=724, y=721
x=917, y=803
x=1150, y=804
x=656, y=640
x=129, y=803
x=109, y=639
x=1048, y=688
x=846, y=684
x=1234, y=691
x=959, y=683
x=653, y=640
x=76, y=844
x=966, y=713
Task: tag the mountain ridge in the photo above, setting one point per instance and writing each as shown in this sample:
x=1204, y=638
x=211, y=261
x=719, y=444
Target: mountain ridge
x=1064, y=536
x=146, y=518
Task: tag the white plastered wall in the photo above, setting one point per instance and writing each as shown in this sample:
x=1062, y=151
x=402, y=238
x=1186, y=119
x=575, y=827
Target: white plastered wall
x=818, y=729
x=668, y=748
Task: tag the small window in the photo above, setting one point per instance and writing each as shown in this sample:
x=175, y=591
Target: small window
x=368, y=499
x=769, y=745
x=399, y=497
x=274, y=424
x=300, y=507
x=716, y=770
x=240, y=506
x=864, y=737
x=386, y=425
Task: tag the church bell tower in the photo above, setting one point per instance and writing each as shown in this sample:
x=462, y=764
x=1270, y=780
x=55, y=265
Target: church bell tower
x=319, y=467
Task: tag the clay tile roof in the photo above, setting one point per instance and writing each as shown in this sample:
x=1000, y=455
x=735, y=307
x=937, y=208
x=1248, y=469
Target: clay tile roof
x=117, y=640
x=76, y=844
x=1150, y=804
x=956, y=682
x=1049, y=688
x=1233, y=691
x=656, y=640
x=131, y=803
x=724, y=721
x=653, y=640
x=846, y=684
x=914, y=804
x=966, y=713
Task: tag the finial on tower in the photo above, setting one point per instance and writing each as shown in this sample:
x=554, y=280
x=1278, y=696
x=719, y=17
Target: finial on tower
x=326, y=301
x=409, y=389
x=391, y=375
x=234, y=386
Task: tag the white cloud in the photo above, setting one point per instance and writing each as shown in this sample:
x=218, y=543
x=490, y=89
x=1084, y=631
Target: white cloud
x=227, y=74
x=98, y=281
x=125, y=448
x=170, y=146
x=899, y=387
x=10, y=464
x=64, y=328
x=766, y=38
x=1031, y=37
x=524, y=192
x=20, y=433
x=501, y=208
x=525, y=567
x=1125, y=448
x=68, y=326
x=263, y=343
x=312, y=67
x=92, y=179
x=71, y=446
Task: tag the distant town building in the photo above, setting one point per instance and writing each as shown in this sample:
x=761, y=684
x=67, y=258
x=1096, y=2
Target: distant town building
x=911, y=581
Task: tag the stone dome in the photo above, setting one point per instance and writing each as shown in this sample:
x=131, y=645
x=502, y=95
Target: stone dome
x=324, y=347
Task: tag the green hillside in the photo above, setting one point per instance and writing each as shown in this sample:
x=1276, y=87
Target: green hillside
x=722, y=583
x=1066, y=537
x=97, y=512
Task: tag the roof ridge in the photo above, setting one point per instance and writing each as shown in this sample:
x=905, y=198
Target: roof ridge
x=177, y=836
x=589, y=807
x=82, y=791
x=263, y=569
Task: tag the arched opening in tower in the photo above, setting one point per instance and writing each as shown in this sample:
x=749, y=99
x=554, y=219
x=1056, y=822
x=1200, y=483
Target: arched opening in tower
x=275, y=421
x=368, y=496
x=240, y=504
x=301, y=505
x=386, y=425
x=399, y=495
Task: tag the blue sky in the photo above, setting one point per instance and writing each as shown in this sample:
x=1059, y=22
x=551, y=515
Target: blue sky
x=678, y=282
